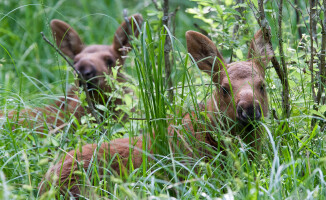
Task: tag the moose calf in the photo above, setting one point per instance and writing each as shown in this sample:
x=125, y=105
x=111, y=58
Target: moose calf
x=240, y=95
x=92, y=61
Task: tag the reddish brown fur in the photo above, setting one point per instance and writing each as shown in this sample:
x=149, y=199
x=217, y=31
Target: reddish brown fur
x=246, y=77
x=92, y=62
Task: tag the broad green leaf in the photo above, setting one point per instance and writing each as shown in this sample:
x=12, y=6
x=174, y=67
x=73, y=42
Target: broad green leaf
x=228, y=2
x=54, y=142
x=101, y=107
x=314, y=112
x=322, y=109
x=239, y=54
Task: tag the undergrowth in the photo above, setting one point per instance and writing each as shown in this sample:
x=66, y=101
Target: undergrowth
x=290, y=164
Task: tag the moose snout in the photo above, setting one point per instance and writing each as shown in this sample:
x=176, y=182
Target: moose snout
x=247, y=112
x=87, y=71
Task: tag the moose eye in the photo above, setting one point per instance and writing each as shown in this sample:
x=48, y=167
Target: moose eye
x=225, y=91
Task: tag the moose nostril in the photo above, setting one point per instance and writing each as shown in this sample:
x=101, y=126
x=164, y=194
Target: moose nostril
x=87, y=72
x=258, y=114
x=241, y=114
x=247, y=113
x=258, y=111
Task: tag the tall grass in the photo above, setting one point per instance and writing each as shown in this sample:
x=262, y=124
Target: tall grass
x=290, y=165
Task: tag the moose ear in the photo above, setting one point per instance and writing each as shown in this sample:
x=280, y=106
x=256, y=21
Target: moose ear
x=204, y=51
x=260, y=51
x=122, y=34
x=67, y=38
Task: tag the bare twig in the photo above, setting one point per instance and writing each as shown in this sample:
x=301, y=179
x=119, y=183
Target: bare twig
x=172, y=16
x=306, y=61
x=284, y=67
x=202, y=31
x=323, y=51
x=125, y=17
x=312, y=16
x=82, y=80
x=173, y=23
x=322, y=71
x=312, y=53
x=274, y=114
x=156, y=5
x=254, y=11
x=264, y=25
x=167, y=48
x=298, y=18
x=238, y=18
x=297, y=9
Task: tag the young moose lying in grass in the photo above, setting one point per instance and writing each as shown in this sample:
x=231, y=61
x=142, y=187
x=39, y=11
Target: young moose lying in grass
x=245, y=80
x=92, y=62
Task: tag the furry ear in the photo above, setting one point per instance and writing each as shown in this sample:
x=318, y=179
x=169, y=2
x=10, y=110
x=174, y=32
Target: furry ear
x=204, y=51
x=260, y=51
x=122, y=34
x=67, y=38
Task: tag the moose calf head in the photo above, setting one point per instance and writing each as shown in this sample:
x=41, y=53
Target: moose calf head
x=94, y=61
x=241, y=92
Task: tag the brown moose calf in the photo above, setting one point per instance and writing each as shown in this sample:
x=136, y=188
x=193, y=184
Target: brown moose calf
x=240, y=95
x=92, y=62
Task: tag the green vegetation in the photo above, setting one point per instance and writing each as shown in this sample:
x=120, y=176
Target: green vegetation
x=291, y=163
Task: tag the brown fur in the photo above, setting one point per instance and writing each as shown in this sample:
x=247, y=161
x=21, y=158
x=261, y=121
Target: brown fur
x=92, y=62
x=246, y=77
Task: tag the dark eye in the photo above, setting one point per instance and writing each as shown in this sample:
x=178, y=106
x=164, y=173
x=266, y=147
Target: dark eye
x=225, y=91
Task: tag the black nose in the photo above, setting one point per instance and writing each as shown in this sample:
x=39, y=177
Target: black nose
x=247, y=113
x=88, y=72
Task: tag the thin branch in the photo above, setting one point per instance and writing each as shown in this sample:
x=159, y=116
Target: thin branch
x=167, y=48
x=324, y=51
x=125, y=17
x=322, y=56
x=172, y=16
x=128, y=24
x=254, y=11
x=81, y=78
x=156, y=5
x=314, y=14
x=299, y=11
x=284, y=67
x=311, y=64
x=274, y=114
x=297, y=15
x=238, y=18
x=202, y=31
x=264, y=25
